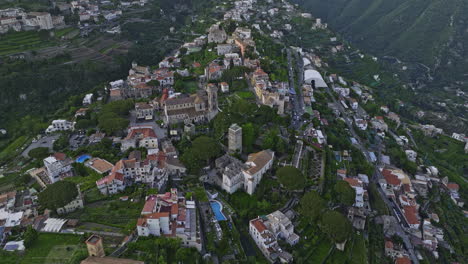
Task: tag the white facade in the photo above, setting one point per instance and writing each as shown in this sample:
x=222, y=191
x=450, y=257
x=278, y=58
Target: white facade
x=88, y=99
x=55, y=168
x=235, y=138
x=60, y=125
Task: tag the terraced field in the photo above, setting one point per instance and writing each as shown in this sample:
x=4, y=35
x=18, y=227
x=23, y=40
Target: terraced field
x=17, y=42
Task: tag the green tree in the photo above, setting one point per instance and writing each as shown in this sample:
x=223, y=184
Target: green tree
x=61, y=143
x=22, y=180
x=30, y=235
x=80, y=169
x=84, y=124
x=344, y=193
x=248, y=137
x=291, y=178
x=39, y=153
x=311, y=206
x=205, y=148
x=187, y=255
x=270, y=139
x=336, y=226
x=58, y=195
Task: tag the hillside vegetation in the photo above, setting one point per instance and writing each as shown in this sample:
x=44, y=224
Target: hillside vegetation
x=432, y=32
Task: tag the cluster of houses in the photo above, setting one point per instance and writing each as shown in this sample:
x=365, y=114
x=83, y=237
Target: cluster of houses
x=20, y=209
x=403, y=191
x=16, y=19
x=90, y=10
x=170, y=215
x=152, y=170
x=359, y=211
x=266, y=230
x=242, y=10
x=234, y=48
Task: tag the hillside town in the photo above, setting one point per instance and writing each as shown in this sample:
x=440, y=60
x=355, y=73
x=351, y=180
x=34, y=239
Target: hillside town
x=240, y=147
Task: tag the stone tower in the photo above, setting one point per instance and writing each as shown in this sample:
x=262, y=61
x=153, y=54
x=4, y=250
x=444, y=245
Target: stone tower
x=212, y=91
x=95, y=247
x=235, y=138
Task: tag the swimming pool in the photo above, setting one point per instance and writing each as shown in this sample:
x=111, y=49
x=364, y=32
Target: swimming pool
x=217, y=208
x=83, y=158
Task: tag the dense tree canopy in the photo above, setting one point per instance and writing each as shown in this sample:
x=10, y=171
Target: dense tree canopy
x=344, y=193
x=112, y=117
x=249, y=135
x=39, y=153
x=291, y=178
x=199, y=153
x=58, y=195
x=311, y=206
x=336, y=226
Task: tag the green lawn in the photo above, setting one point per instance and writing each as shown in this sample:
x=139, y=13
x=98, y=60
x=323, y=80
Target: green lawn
x=48, y=248
x=245, y=94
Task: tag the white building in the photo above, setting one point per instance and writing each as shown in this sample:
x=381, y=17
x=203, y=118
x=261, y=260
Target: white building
x=144, y=111
x=88, y=99
x=315, y=78
x=411, y=155
x=60, y=125
x=235, y=138
x=58, y=167
x=266, y=230
x=236, y=175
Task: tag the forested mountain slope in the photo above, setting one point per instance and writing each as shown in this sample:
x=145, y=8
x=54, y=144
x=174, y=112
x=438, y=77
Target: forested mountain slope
x=432, y=32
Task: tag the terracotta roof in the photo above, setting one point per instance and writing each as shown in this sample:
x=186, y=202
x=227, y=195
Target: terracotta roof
x=259, y=225
x=60, y=156
x=411, y=215
x=453, y=186
x=260, y=159
x=388, y=244
x=149, y=205
x=391, y=178
x=403, y=260
x=82, y=110
x=174, y=209
x=341, y=172
x=259, y=72
x=353, y=182
x=145, y=132
x=157, y=215
x=100, y=165
x=141, y=222
x=115, y=92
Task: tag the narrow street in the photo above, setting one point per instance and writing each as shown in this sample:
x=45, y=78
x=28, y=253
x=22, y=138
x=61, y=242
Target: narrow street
x=375, y=179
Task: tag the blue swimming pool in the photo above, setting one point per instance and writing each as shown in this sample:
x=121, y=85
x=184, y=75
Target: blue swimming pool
x=83, y=158
x=217, y=208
